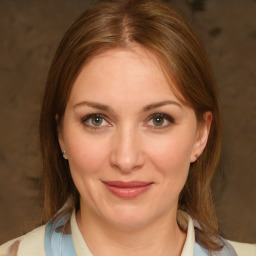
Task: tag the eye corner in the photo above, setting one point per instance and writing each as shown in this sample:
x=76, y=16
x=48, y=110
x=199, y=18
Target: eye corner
x=165, y=121
x=101, y=123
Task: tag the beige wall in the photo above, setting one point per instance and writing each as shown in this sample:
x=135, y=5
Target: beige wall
x=29, y=33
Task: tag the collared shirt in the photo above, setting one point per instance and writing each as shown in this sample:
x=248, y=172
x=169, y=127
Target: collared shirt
x=188, y=249
x=48, y=240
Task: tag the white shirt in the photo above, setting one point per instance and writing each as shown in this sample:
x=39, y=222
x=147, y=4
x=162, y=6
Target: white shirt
x=32, y=244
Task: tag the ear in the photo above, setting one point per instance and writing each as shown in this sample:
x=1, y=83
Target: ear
x=203, y=131
x=60, y=136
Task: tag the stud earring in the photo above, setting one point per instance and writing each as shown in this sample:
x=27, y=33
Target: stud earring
x=64, y=154
x=196, y=156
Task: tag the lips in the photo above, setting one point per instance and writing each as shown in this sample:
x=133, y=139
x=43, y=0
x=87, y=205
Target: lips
x=127, y=190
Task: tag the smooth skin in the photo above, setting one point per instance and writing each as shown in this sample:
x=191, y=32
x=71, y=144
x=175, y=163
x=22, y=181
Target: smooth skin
x=124, y=123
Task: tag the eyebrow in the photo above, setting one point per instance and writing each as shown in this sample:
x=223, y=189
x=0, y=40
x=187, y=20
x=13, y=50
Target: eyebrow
x=109, y=109
x=94, y=105
x=160, y=104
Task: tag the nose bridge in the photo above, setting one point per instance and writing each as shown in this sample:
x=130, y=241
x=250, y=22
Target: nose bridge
x=127, y=152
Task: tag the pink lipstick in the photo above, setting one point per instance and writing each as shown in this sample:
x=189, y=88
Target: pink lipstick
x=127, y=190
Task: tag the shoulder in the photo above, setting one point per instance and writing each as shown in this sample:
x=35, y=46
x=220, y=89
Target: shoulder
x=11, y=247
x=28, y=245
x=227, y=250
x=231, y=248
x=244, y=249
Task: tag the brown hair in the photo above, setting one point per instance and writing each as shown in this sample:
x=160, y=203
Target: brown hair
x=158, y=28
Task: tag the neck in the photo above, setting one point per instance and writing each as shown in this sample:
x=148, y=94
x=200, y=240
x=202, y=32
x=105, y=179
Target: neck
x=160, y=237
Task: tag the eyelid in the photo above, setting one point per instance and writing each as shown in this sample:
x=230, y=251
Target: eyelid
x=167, y=117
x=87, y=117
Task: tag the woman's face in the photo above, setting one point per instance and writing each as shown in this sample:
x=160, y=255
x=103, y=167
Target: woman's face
x=129, y=140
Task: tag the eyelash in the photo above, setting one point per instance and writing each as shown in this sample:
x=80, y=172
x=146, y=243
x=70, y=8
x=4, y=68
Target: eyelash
x=88, y=117
x=166, y=117
x=169, y=119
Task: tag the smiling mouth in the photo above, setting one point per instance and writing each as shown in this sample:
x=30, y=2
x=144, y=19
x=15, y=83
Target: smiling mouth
x=127, y=190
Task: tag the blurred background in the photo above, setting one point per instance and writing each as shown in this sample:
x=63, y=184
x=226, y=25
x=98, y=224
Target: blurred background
x=30, y=31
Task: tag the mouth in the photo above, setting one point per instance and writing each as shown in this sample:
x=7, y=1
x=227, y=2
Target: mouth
x=127, y=190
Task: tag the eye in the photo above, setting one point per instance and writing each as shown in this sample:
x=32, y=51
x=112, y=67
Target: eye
x=95, y=121
x=160, y=120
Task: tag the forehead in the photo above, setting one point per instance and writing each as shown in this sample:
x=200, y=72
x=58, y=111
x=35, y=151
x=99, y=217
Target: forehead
x=125, y=73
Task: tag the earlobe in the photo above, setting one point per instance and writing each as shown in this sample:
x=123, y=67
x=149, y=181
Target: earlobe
x=60, y=137
x=202, y=136
x=64, y=154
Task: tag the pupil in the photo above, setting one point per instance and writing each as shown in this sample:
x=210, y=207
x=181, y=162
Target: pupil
x=158, y=121
x=97, y=121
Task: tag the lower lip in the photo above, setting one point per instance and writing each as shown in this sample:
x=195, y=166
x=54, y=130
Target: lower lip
x=128, y=193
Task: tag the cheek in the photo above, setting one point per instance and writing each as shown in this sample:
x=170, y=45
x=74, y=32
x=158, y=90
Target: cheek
x=87, y=161
x=86, y=155
x=171, y=157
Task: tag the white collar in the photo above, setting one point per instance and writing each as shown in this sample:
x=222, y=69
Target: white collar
x=78, y=241
x=82, y=249
x=188, y=248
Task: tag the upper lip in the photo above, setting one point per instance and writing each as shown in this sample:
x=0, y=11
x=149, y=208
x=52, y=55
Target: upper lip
x=127, y=184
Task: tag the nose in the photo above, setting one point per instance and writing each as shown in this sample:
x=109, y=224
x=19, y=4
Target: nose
x=127, y=154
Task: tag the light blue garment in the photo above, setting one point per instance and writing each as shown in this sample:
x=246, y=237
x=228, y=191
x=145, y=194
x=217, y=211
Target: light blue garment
x=200, y=251
x=57, y=243
x=227, y=250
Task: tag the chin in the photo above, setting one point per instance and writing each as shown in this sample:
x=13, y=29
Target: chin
x=129, y=217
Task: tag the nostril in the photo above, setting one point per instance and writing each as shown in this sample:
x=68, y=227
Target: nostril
x=126, y=154
x=126, y=162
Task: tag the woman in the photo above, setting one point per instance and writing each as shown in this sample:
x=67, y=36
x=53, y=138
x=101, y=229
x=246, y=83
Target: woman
x=130, y=136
